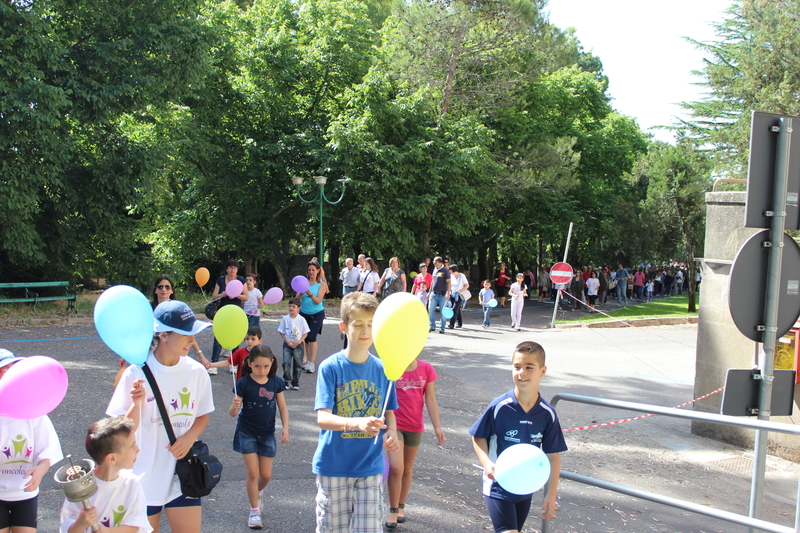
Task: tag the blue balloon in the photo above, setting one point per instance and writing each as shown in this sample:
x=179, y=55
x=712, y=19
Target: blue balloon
x=447, y=312
x=124, y=320
x=522, y=469
x=492, y=303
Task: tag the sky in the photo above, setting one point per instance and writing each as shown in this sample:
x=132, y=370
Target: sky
x=645, y=56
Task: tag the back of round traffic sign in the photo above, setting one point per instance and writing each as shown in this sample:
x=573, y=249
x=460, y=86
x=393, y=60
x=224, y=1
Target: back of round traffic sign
x=747, y=287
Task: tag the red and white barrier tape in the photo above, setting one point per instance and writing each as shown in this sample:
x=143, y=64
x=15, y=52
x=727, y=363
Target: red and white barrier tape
x=643, y=416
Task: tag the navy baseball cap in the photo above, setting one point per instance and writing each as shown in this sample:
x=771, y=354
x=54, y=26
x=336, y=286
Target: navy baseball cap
x=174, y=315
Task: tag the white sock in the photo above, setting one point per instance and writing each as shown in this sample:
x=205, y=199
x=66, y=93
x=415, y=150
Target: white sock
x=255, y=510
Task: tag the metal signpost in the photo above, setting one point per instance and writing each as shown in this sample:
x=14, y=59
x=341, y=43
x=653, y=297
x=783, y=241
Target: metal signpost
x=566, y=267
x=768, y=131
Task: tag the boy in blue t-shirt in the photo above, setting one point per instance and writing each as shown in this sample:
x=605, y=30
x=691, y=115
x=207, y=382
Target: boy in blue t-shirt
x=520, y=416
x=351, y=388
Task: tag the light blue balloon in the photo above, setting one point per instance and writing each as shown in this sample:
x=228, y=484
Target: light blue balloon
x=124, y=320
x=492, y=303
x=447, y=312
x=522, y=469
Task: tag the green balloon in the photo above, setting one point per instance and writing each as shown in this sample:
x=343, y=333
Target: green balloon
x=230, y=326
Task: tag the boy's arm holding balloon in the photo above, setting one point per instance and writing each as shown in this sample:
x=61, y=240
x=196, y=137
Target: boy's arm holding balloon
x=551, y=487
x=365, y=424
x=481, y=447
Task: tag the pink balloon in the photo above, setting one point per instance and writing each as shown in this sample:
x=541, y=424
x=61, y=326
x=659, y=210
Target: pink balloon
x=234, y=288
x=300, y=284
x=273, y=296
x=32, y=387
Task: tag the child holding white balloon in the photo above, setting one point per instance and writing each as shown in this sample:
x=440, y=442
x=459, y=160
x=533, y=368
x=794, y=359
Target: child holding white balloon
x=484, y=297
x=30, y=447
x=520, y=416
x=415, y=388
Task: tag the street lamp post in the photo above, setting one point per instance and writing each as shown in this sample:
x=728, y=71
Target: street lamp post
x=322, y=199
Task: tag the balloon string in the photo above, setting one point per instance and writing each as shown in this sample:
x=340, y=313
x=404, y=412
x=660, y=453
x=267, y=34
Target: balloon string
x=385, y=403
x=137, y=371
x=233, y=373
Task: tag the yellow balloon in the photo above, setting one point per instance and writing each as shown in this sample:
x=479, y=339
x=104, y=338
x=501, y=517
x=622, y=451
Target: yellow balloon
x=230, y=326
x=201, y=276
x=400, y=330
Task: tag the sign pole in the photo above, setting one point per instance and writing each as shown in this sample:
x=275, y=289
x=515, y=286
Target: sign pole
x=778, y=218
x=558, y=293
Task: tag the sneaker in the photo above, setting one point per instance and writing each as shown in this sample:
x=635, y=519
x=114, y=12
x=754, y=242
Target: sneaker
x=311, y=368
x=254, y=522
x=229, y=370
x=518, y=329
x=212, y=371
x=295, y=387
x=441, y=331
x=288, y=387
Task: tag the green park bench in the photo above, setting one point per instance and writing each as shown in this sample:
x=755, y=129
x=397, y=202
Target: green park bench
x=34, y=298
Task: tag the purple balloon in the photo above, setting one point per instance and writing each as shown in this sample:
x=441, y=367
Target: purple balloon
x=234, y=288
x=300, y=284
x=32, y=387
x=385, y=468
x=273, y=296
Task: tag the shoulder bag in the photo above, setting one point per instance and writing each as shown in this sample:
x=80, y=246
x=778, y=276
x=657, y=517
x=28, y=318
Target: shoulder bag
x=198, y=471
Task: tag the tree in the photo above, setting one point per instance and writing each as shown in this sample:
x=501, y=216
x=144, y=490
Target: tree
x=753, y=65
x=71, y=178
x=673, y=215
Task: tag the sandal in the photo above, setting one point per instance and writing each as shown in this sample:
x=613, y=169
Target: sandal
x=389, y=526
x=401, y=519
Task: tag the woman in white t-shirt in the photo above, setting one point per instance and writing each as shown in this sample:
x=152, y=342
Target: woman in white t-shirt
x=458, y=284
x=369, y=278
x=186, y=390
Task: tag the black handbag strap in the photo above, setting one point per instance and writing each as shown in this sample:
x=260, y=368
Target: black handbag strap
x=151, y=379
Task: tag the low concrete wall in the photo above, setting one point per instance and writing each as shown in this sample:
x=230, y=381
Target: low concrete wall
x=720, y=345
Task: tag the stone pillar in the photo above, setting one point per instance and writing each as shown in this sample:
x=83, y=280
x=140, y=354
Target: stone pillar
x=720, y=345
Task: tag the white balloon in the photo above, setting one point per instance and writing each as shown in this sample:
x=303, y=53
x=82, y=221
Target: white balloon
x=522, y=469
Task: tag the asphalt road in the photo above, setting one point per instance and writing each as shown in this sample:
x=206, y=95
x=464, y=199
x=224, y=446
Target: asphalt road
x=649, y=365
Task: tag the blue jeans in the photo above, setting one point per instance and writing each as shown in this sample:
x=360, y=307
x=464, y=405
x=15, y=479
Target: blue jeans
x=622, y=294
x=292, y=355
x=486, y=310
x=253, y=321
x=348, y=290
x=436, y=299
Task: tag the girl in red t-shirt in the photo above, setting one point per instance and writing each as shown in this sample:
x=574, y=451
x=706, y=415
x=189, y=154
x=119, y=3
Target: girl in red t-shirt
x=414, y=389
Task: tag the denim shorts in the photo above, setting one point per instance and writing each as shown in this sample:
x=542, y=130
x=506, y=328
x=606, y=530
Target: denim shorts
x=263, y=445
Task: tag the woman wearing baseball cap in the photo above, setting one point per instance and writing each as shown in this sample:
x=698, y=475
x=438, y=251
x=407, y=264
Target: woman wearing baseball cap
x=186, y=390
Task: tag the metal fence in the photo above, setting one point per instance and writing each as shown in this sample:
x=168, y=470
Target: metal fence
x=753, y=523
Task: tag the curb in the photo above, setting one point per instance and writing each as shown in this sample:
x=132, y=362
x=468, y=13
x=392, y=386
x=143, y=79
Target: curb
x=636, y=322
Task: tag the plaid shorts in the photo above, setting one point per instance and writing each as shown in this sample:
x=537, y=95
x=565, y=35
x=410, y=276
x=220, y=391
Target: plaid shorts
x=350, y=504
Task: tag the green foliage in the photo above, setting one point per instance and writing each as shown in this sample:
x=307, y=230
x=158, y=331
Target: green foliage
x=751, y=66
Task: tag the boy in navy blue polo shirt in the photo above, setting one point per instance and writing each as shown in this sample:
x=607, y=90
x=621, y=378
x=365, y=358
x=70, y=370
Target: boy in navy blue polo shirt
x=520, y=416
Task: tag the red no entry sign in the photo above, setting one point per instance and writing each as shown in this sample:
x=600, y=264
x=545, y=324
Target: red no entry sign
x=561, y=273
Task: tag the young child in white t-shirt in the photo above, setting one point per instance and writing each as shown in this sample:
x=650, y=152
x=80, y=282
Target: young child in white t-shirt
x=293, y=329
x=29, y=448
x=254, y=303
x=119, y=500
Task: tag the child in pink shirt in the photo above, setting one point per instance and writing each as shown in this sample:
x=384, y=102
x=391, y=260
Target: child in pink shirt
x=414, y=389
